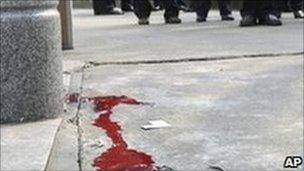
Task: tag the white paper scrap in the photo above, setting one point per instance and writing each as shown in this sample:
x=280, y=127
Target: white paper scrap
x=156, y=124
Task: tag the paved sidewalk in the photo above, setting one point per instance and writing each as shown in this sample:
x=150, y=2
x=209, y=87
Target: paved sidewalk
x=241, y=110
x=237, y=114
x=27, y=146
x=119, y=38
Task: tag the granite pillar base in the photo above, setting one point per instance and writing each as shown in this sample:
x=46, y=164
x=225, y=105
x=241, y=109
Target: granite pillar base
x=31, y=61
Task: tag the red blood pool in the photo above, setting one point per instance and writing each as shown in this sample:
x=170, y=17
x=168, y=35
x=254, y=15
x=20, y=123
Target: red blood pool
x=118, y=157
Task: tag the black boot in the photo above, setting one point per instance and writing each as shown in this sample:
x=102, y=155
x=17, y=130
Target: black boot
x=248, y=20
x=270, y=20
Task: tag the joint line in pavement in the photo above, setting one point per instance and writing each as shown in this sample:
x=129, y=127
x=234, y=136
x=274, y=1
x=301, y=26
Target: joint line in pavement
x=90, y=64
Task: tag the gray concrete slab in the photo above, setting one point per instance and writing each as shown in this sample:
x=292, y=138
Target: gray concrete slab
x=27, y=146
x=65, y=155
x=119, y=38
x=244, y=114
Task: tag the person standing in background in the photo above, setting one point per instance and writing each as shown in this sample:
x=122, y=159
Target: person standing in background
x=143, y=8
x=297, y=7
x=202, y=8
x=256, y=12
x=108, y=7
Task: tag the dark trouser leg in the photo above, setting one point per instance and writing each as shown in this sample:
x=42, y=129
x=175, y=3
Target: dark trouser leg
x=142, y=8
x=268, y=13
x=283, y=5
x=180, y=3
x=249, y=8
x=202, y=7
x=268, y=7
x=102, y=6
x=224, y=7
x=171, y=9
x=156, y=3
x=249, y=13
x=296, y=5
x=125, y=3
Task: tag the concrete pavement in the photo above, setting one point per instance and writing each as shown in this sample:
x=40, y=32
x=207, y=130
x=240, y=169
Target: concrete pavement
x=27, y=146
x=119, y=38
x=236, y=114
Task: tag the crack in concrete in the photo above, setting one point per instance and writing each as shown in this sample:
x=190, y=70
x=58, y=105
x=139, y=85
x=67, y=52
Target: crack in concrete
x=90, y=64
x=77, y=120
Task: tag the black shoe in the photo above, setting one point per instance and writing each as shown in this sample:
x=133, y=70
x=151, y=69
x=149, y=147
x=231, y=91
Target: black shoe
x=228, y=17
x=298, y=14
x=270, y=20
x=200, y=19
x=143, y=21
x=128, y=7
x=248, y=20
x=114, y=11
x=173, y=20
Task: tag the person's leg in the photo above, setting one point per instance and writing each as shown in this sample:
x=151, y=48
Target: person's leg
x=191, y=6
x=202, y=8
x=249, y=8
x=249, y=13
x=142, y=9
x=283, y=5
x=156, y=2
x=126, y=5
x=267, y=7
x=171, y=12
x=183, y=6
x=225, y=9
x=157, y=5
x=105, y=7
x=268, y=13
x=101, y=6
x=297, y=7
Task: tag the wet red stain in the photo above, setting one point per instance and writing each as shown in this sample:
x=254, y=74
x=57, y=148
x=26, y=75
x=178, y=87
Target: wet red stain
x=119, y=157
